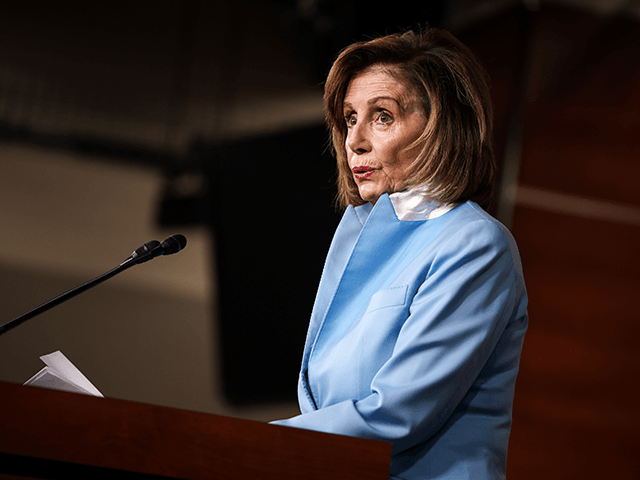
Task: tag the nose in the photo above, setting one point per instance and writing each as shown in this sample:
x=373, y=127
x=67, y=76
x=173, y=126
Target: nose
x=358, y=139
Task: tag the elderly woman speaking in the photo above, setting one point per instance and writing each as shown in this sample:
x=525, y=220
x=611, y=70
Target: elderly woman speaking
x=417, y=328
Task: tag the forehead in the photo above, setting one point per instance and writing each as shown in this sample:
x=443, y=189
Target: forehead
x=375, y=84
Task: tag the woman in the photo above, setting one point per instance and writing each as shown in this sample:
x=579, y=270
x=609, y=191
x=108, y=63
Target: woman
x=418, y=323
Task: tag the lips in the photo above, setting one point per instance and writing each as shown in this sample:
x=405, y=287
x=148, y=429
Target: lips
x=362, y=171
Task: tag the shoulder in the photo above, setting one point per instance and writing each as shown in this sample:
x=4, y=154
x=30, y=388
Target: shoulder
x=468, y=222
x=475, y=234
x=470, y=232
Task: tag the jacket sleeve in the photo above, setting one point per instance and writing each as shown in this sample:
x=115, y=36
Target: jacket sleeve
x=455, y=319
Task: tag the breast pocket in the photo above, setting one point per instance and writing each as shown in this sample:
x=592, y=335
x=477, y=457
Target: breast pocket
x=388, y=297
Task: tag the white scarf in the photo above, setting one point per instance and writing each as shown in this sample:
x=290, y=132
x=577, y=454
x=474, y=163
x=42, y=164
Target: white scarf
x=413, y=205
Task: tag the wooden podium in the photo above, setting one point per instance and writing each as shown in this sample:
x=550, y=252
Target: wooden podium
x=52, y=434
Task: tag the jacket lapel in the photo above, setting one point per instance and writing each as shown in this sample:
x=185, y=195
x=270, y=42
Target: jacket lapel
x=351, y=276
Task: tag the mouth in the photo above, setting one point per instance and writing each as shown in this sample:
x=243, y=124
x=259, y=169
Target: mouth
x=362, y=171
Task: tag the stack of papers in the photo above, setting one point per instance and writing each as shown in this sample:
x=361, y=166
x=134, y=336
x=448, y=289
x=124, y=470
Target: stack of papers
x=61, y=374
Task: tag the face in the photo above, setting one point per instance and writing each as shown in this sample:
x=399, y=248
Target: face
x=382, y=121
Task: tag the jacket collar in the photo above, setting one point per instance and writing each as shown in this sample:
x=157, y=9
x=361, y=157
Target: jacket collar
x=409, y=205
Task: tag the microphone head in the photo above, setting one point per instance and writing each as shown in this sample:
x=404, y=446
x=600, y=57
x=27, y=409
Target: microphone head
x=154, y=248
x=173, y=244
x=144, y=249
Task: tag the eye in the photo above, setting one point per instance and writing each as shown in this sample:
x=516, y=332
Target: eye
x=350, y=119
x=383, y=118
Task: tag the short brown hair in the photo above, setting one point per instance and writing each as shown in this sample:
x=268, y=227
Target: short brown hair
x=456, y=158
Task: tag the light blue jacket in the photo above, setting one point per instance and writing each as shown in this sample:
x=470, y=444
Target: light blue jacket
x=415, y=339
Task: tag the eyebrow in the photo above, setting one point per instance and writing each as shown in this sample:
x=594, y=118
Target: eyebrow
x=375, y=100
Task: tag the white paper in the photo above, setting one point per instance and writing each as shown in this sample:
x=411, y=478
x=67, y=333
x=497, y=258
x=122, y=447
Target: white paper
x=61, y=374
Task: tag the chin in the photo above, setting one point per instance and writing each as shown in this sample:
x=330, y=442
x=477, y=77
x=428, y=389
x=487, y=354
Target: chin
x=372, y=199
x=369, y=195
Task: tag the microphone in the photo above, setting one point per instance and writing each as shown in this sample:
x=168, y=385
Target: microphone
x=141, y=251
x=153, y=249
x=169, y=245
x=144, y=253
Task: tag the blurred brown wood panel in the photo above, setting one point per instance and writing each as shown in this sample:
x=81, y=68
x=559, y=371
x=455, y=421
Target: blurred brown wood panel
x=575, y=78
x=576, y=413
x=582, y=124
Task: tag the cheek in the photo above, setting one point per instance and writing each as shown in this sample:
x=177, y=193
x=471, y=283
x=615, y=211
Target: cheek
x=398, y=157
x=405, y=155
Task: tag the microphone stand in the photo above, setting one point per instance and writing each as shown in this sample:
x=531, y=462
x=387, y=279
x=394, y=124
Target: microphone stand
x=146, y=252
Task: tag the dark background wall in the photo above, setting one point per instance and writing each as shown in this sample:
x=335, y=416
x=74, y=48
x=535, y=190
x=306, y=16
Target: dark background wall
x=125, y=123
